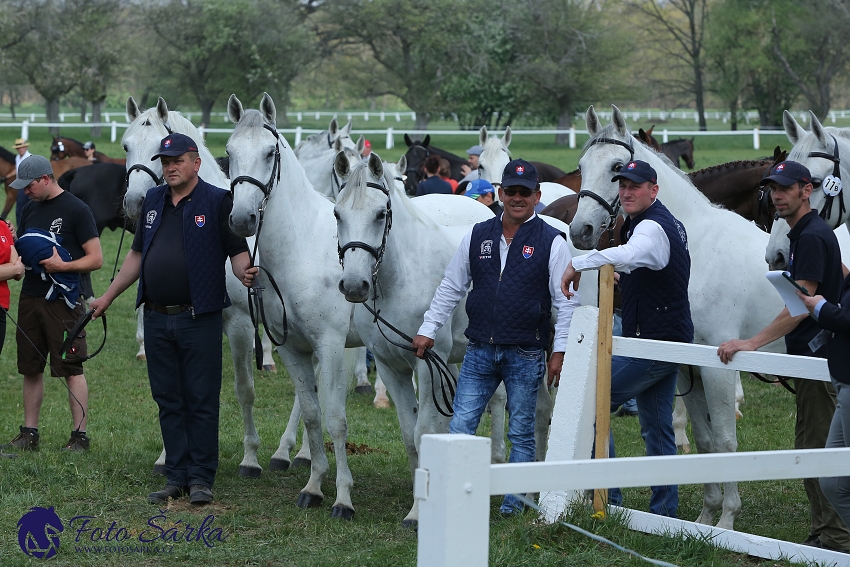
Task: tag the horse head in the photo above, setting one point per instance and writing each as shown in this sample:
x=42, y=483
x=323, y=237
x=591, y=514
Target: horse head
x=647, y=138
x=254, y=149
x=821, y=151
x=417, y=153
x=315, y=145
x=57, y=149
x=363, y=215
x=494, y=156
x=688, y=153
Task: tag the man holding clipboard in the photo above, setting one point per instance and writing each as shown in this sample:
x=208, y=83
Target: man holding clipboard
x=814, y=264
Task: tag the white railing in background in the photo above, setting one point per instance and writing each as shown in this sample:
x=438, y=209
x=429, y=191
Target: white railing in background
x=455, y=479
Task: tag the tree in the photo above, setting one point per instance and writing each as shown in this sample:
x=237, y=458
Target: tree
x=681, y=25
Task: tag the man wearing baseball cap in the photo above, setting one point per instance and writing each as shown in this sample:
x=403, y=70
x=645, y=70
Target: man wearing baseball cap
x=514, y=262
x=22, y=147
x=67, y=245
x=654, y=267
x=814, y=263
x=470, y=171
x=178, y=255
x=483, y=191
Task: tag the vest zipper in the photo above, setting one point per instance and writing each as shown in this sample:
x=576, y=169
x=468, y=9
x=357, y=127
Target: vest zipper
x=499, y=283
x=192, y=309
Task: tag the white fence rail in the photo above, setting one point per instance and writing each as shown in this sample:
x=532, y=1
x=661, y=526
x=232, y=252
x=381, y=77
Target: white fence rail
x=455, y=479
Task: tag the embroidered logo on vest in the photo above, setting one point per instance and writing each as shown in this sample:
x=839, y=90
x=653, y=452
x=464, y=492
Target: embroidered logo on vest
x=200, y=220
x=527, y=251
x=486, y=249
x=151, y=216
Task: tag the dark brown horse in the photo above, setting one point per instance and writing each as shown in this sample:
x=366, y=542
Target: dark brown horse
x=680, y=148
x=417, y=152
x=63, y=147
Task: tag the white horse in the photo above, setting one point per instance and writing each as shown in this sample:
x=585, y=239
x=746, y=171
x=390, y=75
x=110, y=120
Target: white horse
x=298, y=245
x=826, y=141
x=317, y=154
x=141, y=141
x=726, y=254
x=316, y=144
x=495, y=156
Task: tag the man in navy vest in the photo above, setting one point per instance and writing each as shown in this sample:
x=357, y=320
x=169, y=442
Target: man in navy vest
x=814, y=263
x=178, y=256
x=654, y=267
x=513, y=262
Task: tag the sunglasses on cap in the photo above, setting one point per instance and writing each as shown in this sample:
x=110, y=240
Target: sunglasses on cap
x=525, y=192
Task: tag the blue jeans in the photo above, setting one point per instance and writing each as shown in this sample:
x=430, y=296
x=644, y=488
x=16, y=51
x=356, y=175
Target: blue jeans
x=484, y=367
x=184, y=369
x=653, y=384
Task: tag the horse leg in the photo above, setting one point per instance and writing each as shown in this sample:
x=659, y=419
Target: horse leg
x=496, y=406
x=739, y=396
x=680, y=423
x=280, y=460
x=159, y=465
x=302, y=458
x=360, y=371
x=240, y=333
x=140, y=334
x=268, y=360
x=720, y=396
x=381, y=400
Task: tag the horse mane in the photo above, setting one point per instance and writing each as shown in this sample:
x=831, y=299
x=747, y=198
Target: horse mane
x=355, y=192
x=71, y=139
x=740, y=164
x=492, y=148
x=7, y=155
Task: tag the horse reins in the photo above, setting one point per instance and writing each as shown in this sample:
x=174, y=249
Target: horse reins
x=836, y=172
x=613, y=208
x=448, y=383
x=256, y=305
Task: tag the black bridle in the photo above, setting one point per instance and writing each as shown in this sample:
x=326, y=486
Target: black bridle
x=415, y=173
x=256, y=306
x=448, y=383
x=613, y=208
x=157, y=179
x=836, y=172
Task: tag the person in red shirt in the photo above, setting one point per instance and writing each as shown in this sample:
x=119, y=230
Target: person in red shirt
x=10, y=267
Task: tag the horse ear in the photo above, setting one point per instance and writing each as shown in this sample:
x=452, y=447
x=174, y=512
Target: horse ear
x=618, y=120
x=234, y=109
x=342, y=167
x=361, y=144
x=506, y=139
x=649, y=132
x=268, y=109
x=132, y=108
x=402, y=163
x=408, y=141
x=376, y=166
x=482, y=136
x=818, y=130
x=642, y=136
x=592, y=121
x=794, y=131
x=162, y=110
x=346, y=129
x=338, y=145
x=427, y=141
x=333, y=126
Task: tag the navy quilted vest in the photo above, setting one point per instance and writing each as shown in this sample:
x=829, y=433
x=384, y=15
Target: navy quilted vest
x=205, y=255
x=512, y=307
x=655, y=302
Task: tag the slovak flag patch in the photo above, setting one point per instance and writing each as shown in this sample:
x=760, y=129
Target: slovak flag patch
x=520, y=170
x=527, y=251
x=780, y=167
x=167, y=144
x=200, y=220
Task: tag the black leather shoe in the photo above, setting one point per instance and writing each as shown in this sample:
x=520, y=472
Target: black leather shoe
x=200, y=495
x=170, y=491
x=815, y=541
x=26, y=440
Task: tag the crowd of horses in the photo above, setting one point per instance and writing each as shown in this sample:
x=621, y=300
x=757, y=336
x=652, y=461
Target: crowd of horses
x=342, y=241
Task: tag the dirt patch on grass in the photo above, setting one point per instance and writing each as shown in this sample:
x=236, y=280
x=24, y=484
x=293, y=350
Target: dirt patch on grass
x=354, y=448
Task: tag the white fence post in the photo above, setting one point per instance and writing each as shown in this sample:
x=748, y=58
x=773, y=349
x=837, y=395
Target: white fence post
x=383, y=116
x=61, y=117
x=365, y=117
x=390, y=138
x=25, y=130
x=572, y=137
x=398, y=117
x=32, y=117
x=452, y=488
x=664, y=136
x=832, y=116
x=113, y=135
x=756, y=139
x=299, y=117
x=106, y=117
x=297, y=135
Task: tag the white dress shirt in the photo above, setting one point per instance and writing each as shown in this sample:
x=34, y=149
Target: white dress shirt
x=458, y=278
x=648, y=247
x=19, y=158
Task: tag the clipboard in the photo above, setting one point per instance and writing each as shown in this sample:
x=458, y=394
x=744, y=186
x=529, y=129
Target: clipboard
x=787, y=289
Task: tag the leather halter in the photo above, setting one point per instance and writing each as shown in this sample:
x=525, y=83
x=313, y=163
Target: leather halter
x=836, y=172
x=613, y=208
x=157, y=179
x=377, y=253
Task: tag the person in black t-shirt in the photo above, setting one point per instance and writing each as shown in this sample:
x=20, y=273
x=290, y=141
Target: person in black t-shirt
x=42, y=322
x=815, y=263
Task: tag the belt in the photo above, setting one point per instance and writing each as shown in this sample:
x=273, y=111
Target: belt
x=167, y=309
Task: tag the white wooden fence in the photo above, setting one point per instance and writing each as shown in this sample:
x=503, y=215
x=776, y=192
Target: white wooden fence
x=455, y=479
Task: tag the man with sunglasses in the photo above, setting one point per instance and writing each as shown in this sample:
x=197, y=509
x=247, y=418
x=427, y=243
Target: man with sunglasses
x=654, y=266
x=514, y=262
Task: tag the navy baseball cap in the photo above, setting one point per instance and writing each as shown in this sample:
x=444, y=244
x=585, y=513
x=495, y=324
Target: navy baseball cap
x=637, y=171
x=787, y=173
x=175, y=145
x=520, y=172
x=478, y=187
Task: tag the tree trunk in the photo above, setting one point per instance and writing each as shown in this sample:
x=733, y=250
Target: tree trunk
x=206, y=111
x=52, y=109
x=422, y=120
x=565, y=122
x=733, y=114
x=84, y=105
x=96, y=117
x=700, y=97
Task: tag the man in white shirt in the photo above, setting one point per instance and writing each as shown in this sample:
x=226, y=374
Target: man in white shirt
x=514, y=262
x=654, y=266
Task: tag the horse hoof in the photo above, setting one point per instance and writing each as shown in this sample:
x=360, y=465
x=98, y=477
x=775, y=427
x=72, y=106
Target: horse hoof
x=738, y=415
x=342, y=512
x=278, y=464
x=382, y=404
x=300, y=462
x=159, y=469
x=249, y=472
x=269, y=368
x=141, y=356
x=307, y=500
x=364, y=389
x=412, y=524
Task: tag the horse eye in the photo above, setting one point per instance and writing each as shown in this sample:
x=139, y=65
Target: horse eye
x=381, y=215
x=125, y=148
x=617, y=167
